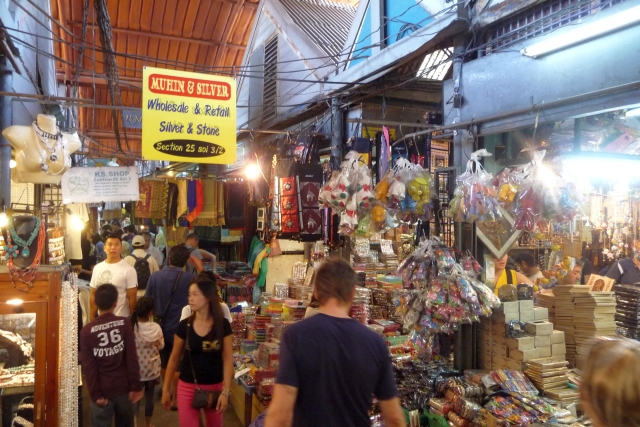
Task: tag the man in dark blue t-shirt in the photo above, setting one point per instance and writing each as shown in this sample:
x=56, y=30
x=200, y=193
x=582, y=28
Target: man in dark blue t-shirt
x=331, y=366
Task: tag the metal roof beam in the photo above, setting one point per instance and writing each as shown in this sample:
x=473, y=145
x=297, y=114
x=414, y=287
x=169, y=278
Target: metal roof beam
x=161, y=36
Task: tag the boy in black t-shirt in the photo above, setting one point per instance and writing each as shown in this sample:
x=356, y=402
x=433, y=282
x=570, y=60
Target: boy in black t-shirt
x=331, y=365
x=110, y=363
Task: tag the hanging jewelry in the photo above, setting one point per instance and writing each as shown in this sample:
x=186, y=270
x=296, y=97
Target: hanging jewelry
x=45, y=139
x=19, y=241
x=10, y=250
x=28, y=275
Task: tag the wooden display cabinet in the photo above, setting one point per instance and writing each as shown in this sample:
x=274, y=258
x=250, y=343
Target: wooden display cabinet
x=43, y=300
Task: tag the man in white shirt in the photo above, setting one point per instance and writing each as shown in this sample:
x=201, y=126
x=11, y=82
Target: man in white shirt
x=140, y=254
x=119, y=273
x=150, y=249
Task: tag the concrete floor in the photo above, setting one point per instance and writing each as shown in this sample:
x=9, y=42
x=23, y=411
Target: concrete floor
x=161, y=417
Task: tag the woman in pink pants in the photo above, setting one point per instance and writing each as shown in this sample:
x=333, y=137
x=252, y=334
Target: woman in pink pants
x=208, y=359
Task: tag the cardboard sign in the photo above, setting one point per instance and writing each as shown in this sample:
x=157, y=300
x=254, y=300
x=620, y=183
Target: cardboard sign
x=102, y=184
x=188, y=117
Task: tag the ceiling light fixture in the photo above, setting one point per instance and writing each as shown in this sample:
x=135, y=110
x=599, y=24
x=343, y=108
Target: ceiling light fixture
x=584, y=32
x=634, y=112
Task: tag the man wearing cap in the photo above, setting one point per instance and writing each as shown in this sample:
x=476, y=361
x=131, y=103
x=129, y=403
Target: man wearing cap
x=140, y=254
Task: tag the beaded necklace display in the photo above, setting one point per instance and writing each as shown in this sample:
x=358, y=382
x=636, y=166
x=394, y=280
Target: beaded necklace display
x=45, y=139
x=19, y=241
x=26, y=275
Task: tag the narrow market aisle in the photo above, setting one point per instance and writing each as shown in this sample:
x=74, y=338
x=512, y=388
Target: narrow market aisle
x=161, y=418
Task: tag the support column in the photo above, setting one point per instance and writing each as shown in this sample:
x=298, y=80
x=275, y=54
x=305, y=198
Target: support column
x=5, y=122
x=459, y=136
x=337, y=130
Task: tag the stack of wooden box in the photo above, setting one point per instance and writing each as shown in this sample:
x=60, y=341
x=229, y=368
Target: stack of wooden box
x=593, y=316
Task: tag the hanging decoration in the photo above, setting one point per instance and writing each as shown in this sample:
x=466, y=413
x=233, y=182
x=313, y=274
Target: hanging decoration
x=67, y=367
x=443, y=293
x=26, y=276
x=474, y=198
x=402, y=195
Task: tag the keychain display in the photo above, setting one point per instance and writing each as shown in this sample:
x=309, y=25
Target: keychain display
x=443, y=294
x=474, y=198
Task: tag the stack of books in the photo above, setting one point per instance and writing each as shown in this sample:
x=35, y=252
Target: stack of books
x=564, y=316
x=628, y=311
x=593, y=317
x=547, y=301
x=549, y=375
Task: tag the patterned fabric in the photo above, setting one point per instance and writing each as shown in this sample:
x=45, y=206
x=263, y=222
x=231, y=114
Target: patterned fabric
x=153, y=200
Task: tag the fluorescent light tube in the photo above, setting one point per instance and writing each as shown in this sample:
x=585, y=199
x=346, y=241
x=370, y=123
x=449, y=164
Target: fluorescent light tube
x=635, y=112
x=584, y=32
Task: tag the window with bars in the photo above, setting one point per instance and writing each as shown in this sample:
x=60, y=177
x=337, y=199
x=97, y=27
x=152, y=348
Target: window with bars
x=270, y=88
x=541, y=19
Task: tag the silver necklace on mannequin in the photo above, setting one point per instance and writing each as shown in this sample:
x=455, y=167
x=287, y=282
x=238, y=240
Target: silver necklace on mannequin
x=45, y=138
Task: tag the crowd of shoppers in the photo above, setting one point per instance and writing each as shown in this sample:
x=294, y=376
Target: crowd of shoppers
x=136, y=308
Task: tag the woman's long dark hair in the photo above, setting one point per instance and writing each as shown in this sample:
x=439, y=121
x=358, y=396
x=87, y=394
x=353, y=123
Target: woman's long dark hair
x=206, y=282
x=144, y=306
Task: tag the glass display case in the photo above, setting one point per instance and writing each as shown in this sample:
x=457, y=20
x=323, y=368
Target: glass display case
x=29, y=346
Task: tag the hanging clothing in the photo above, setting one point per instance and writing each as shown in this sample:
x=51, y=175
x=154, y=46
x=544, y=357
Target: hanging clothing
x=182, y=197
x=255, y=247
x=507, y=277
x=199, y=202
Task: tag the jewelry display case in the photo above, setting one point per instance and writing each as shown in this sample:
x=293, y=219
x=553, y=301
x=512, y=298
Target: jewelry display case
x=29, y=345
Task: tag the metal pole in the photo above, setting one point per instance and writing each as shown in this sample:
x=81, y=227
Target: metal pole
x=5, y=121
x=337, y=130
x=458, y=161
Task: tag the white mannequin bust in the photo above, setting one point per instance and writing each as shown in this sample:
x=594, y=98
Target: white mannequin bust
x=41, y=151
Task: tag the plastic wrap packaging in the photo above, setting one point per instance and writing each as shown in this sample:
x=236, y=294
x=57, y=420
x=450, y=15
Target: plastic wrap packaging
x=475, y=197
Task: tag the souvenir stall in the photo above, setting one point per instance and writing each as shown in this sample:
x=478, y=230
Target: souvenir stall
x=38, y=312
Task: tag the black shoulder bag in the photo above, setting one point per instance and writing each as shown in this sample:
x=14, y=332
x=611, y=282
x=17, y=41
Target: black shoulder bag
x=202, y=399
x=160, y=319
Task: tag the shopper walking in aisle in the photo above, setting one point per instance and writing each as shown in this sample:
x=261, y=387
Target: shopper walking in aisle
x=144, y=264
x=169, y=288
x=331, y=365
x=205, y=338
x=195, y=257
x=119, y=273
x=110, y=363
x=609, y=390
x=149, y=341
x=150, y=249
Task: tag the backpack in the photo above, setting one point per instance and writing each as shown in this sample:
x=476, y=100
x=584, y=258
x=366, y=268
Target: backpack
x=143, y=271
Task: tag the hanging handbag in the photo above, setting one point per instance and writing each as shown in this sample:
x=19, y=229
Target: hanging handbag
x=159, y=319
x=202, y=399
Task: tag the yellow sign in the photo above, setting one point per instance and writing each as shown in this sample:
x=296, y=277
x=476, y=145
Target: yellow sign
x=370, y=132
x=188, y=117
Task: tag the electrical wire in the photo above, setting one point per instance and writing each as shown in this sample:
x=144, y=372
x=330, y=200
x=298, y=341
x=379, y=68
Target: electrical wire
x=208, y=68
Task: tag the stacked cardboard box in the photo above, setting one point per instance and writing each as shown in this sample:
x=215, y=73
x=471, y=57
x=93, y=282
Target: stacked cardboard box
x=500, y=352
x=594, y=316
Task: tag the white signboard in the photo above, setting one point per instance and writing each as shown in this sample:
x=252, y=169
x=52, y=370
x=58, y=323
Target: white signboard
x=102, y=184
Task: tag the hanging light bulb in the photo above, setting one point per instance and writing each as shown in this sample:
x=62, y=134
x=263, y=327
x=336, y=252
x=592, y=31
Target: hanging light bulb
x=76, y=222
x=12, y=164
x=252, y=171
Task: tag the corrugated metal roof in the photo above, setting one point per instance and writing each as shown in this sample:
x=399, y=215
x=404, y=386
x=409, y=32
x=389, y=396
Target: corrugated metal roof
x=326, y=22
